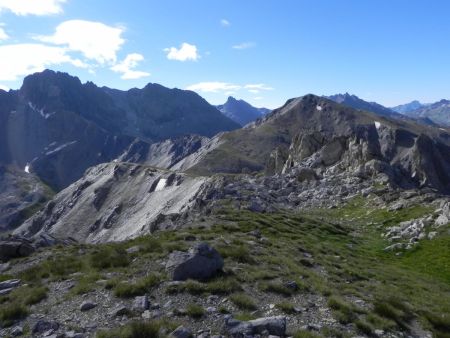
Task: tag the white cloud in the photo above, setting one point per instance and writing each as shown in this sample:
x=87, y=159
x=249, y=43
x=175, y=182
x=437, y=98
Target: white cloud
x=23, y=59
x=95, y=40
x=126, y=67
x=244, y=45
x=3, y=35
x=228, y=88
x=213, y=87
x=258, y=98
x=3, y=87
x=32, y=7
x=184, y=53
x=225, y=23
x=258, y=86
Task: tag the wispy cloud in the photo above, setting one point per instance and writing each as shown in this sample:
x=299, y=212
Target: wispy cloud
x=32, y=7
x=186, y=52
x=244, y=45
x=225, y=23
x=227, y=88
x=213, y=87
x=126, y=67
x=3, y=35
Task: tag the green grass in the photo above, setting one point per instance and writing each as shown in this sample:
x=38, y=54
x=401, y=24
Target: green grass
x=306, y=334
x=138, y=288
x=109, y=257
x=243, y=302
x=286, y=307
x=152, y=329
x=276, y=287
x=195, y=311
x=10, y=313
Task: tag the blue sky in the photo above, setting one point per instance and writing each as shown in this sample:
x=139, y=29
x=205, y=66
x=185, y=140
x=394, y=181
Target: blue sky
x=266, y=51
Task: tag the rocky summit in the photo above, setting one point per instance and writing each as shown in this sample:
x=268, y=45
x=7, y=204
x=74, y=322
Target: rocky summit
x=315, y=220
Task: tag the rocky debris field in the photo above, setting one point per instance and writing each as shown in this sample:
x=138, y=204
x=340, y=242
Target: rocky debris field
x=311, y=273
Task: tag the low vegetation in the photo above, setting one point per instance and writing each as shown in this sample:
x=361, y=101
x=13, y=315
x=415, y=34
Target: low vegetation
x=334, y=254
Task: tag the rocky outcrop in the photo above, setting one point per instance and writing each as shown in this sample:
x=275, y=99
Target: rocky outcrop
x=316, y=133
x=201, y=262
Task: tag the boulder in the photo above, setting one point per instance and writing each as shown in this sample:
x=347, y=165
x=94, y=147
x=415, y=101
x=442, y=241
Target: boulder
x=141, y=304
x=181, y=332
x=306, y=174
x=87, y=305
x=9, y=284
x=42, y=326
x=268, y=325
x=15, y=248
x=200, y=263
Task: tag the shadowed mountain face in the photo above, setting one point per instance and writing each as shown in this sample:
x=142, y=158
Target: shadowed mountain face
x=241, y=112
x=59, y=127
x=318, y=133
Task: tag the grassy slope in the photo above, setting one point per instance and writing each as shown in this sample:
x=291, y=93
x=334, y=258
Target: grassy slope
x=347, y=263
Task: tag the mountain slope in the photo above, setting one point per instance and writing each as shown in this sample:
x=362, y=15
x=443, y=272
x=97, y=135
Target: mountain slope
x=408, y=107
x=240, y=111
x=438, y=112
x=60, y=127
x=318, y=133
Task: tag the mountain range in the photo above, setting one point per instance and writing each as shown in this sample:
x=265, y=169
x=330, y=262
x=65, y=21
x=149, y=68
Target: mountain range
x=148, y=212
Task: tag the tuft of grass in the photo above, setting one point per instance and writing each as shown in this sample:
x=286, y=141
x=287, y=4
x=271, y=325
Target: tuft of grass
x=34, y=295
x=238, y=253
x=394, y=309
x=344, y=312
x=152, y=329
x=364, y=326
x=286, y=307
x=195, y=311
x=306, y=334
x=139, y=288
x=276, y=287
x=10, y=313
x=109, y=257
x=244, y=316
x=223, y=286
x=243, y=302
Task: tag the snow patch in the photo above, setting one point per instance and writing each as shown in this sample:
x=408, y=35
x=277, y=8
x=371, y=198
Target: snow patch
x=377, y=124
x=40, y=111
x=161, y=184
x=319, y=108
x=27, y=168
x=60, y=147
